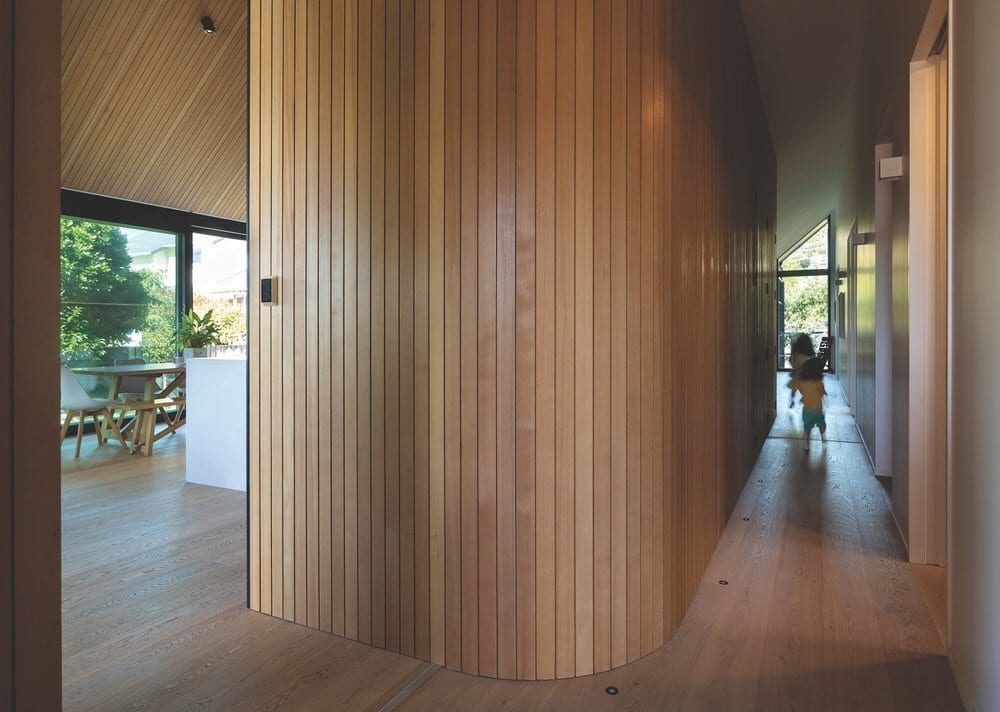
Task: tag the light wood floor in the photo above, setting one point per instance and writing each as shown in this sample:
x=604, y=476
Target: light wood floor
x=821, y=611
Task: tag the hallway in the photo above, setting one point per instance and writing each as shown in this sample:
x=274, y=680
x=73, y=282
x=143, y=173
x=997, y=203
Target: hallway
x=821, y=612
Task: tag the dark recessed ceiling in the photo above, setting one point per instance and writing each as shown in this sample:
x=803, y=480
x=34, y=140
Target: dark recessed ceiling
x=807, y=58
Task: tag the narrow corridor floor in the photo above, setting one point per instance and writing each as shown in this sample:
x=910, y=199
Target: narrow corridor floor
x=821, y=610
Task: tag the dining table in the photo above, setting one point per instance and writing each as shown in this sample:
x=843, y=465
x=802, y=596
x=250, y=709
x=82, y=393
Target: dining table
x=155, y=399
x=149, y=372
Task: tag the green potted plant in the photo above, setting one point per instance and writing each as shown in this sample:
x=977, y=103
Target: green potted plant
x=197, y=333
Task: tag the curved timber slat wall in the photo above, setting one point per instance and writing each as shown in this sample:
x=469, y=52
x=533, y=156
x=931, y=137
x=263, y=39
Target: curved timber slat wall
x=521, y=360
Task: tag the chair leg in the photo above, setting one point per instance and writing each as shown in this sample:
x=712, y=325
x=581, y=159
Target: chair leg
x=65, y=429
x=79, y=431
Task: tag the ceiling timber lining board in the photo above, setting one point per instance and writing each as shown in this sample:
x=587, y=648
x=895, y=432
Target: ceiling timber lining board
x=153, y=109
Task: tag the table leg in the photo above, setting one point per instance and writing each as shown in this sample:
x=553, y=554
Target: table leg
x=116, y=388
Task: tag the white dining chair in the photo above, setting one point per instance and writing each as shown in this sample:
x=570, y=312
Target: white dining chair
x=79, y=404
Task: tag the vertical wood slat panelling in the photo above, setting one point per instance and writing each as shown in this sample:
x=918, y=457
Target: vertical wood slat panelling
x=392, y=420
x=487, y=343
x=602, y=337
x=506, y=308
x=351, y=395
x=525, y=374
x=633, y=390
x=407, y=427
x=421, y=321
x=583, y=350
x=365, y=167
x=253, y=316
x=436, y=334
x=452, y=334
x=514, y=242
x=618, y=321
x=261, y=254
x=545, y=339
x=565, y=364
x=379, y=120
x=469, y=324
x=324, y=318
x=338, y=205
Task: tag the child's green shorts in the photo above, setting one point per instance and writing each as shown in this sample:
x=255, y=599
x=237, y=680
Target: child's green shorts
x=813, y=419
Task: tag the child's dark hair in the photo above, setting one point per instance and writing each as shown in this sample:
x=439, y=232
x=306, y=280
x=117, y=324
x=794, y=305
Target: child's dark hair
x=803, y=344
x=812, y=370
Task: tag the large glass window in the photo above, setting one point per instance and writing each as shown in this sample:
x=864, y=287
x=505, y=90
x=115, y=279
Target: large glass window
x=804, y=292
x=219, y=284
x=118, y=293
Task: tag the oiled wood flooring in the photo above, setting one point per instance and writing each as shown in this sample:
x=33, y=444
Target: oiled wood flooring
x=821, y=612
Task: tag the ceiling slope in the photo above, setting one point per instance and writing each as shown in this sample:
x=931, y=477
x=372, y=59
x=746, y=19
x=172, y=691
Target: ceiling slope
x=153, y=109
x=807, y=57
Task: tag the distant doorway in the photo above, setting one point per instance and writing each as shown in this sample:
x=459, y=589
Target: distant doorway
x=804, y=292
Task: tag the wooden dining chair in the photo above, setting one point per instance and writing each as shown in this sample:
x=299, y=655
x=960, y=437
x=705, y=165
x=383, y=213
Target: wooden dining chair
x=79, y=404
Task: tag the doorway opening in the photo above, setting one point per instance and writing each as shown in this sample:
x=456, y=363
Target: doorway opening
x=804, y=292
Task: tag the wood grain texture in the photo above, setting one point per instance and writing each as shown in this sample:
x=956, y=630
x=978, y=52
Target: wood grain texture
x=175, y=608
x=392, y=332
x=525, y=380
x=545, y=363
x=436, y=333
x=816, y=570
x=453, y=333
x=154, y=110
x=547, y=226
x=565, y=344
x=818, y=544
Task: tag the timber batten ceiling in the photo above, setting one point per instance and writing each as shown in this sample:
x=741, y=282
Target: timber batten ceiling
x=153, y=109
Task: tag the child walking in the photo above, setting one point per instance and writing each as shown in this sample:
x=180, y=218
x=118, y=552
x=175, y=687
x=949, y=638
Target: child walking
x=802, y=350
x=809, y=383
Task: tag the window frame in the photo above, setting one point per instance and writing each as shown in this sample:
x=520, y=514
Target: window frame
x=828, y=273
x=146, y=216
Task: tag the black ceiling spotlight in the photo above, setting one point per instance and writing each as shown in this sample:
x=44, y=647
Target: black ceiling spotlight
x=207, y=25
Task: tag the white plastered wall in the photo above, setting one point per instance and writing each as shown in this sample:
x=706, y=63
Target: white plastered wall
x=974, y=563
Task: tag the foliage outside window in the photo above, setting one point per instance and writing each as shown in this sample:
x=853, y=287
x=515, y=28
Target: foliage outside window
x=113, y=306
x=805, y=290
x=807, y=305
x=813, y=253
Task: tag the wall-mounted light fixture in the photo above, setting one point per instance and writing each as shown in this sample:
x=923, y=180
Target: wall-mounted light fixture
x=207, y=25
